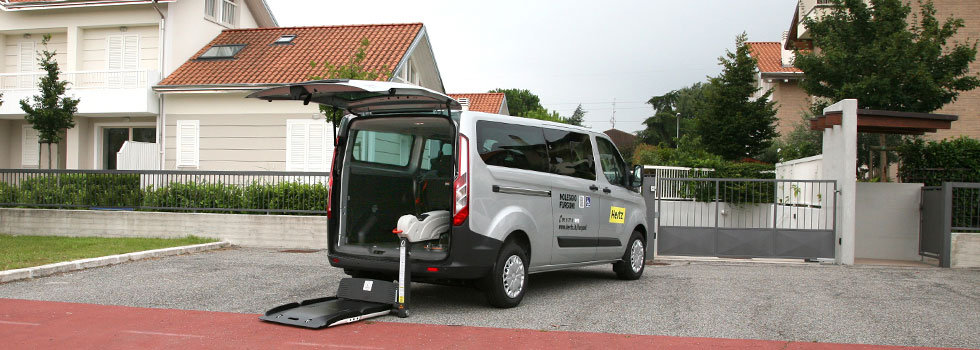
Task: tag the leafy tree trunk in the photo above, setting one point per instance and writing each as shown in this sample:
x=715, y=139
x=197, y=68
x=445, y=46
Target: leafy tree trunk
x=49, y=155
x=39, y=154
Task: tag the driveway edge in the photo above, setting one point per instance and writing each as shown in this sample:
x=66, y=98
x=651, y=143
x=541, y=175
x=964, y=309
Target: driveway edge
x=75, y=265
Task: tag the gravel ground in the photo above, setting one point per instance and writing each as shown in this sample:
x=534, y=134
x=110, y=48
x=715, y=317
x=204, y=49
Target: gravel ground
x=872, y=305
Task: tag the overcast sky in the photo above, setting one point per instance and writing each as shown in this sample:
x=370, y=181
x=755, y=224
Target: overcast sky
x=568, y=52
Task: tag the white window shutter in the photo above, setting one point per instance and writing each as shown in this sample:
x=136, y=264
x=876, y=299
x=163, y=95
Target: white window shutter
x=296, y=144
x=28, y=64
x=29, y=147
x=131, y=59
x=114, y=60
x=188, y=143
x=316, y=156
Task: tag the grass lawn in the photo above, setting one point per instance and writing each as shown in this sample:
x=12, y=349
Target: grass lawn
x=26, y=251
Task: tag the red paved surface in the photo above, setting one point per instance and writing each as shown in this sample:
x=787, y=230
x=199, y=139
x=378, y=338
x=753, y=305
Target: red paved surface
x=26, y=324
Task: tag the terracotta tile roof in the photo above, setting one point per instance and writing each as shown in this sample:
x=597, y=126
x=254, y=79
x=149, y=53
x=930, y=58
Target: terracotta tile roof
x=262, y=62
x=769, y=55
x=488, y=102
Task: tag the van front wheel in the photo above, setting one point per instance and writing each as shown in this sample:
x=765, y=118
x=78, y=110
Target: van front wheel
x=507, y=281
x=634, y=259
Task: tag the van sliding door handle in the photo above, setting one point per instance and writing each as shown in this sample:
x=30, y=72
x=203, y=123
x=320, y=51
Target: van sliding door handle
x=606, y=190
x=594, y=188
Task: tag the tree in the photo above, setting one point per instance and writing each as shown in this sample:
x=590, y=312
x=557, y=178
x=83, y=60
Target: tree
x=578, y=116
x=543, y=114
x=520, y=101
x=876, y=55
x=734, y=125
x=663, y=126
x=51, y=112
x=353, y=69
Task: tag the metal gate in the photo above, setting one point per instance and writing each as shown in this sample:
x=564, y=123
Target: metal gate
x=744, y=217
x=947, y=209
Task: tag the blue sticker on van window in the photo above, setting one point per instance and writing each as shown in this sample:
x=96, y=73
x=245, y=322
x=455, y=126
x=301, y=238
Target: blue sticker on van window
x=588, y=202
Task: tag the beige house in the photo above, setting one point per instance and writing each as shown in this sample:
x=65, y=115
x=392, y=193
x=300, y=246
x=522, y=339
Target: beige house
x=967, y=106
x=776, y=72
x=113, y=53
x=210, y=125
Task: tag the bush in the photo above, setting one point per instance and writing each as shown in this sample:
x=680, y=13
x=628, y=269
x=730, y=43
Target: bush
x=282, y=196
x=81, y=190
x=935, y=162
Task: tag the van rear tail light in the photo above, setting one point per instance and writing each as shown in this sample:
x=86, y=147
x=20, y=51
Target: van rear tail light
x=461, y=188
x=330, y=183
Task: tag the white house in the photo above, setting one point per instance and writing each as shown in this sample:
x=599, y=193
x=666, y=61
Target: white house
x=113, y=52
x=210, y=125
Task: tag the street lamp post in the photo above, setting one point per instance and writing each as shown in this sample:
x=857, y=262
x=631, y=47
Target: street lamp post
x=678, y=137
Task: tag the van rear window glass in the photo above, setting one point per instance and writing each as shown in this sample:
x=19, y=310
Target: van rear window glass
x=382, y=147
x=570, y=153
x=512, y=146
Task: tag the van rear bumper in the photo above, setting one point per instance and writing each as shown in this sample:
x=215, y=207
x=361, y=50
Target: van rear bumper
x=471, y=256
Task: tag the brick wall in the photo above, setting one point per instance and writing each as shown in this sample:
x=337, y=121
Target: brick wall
x=792, y=101
x=967, y=107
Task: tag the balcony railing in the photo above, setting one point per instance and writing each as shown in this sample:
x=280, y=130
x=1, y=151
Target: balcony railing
x=121, y=79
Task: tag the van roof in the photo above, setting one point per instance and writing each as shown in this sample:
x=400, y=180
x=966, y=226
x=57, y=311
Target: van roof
x=531, y=121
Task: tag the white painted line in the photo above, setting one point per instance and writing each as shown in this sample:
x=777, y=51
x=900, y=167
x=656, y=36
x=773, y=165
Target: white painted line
x=165, y=334
x=336, y=346
x=20, y=323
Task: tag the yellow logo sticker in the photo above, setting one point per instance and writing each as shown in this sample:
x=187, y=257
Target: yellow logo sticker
x=617, y=215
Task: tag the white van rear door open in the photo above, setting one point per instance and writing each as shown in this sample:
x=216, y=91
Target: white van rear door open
x=362, y=97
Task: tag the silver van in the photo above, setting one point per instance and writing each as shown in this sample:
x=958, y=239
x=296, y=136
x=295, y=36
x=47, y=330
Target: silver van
x=498, y=197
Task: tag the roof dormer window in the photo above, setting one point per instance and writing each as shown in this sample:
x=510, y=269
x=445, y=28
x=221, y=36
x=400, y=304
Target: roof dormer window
x=221, y=51
x=285, y=39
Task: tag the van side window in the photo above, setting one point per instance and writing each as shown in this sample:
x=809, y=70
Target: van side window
x=613, y=165
x=382, y=147
x=512, y=146
x=570, y=153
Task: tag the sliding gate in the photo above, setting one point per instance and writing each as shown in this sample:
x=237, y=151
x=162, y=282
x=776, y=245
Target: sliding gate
x=763, y=218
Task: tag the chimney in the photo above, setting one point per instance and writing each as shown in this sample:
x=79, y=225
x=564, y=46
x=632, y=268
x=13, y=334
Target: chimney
x=785, y=55
x=465, y=102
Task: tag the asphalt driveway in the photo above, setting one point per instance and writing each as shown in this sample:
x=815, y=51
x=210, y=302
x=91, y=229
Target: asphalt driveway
x=872, y=305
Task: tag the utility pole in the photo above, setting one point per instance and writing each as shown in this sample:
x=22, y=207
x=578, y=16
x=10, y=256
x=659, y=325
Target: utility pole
x=678, y=137
x=613, y=119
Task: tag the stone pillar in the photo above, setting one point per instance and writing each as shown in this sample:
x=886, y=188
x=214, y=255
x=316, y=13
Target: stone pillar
x=840, y=164
x=72, y=145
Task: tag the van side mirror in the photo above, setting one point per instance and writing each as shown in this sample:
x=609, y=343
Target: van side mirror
x=636, y=180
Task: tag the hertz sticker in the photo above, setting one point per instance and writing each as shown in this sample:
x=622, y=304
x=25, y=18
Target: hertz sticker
x=617, y=215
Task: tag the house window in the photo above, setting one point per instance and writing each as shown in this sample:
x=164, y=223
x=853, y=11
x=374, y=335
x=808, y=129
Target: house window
x=123, y=54
x=113, y=138
x=188, y=143
x=221, y=51
x=228, y=11
x=222, y=11
x=308, y=145
x=29, y=148
x=285, y=39
x=211, y=9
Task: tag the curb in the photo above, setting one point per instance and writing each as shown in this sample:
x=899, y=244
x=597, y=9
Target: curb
x=75, y=265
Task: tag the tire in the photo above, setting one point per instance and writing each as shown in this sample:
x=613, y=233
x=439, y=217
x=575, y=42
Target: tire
x=634, y=259
x=507, y=282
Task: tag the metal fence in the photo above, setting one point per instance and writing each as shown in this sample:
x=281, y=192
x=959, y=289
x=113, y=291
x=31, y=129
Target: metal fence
x=267, y=192
x=951, y=208
x=747, y=218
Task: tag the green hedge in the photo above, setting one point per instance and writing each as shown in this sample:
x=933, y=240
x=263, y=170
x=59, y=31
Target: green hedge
x=283, y=196
x=935, y=162
x=124, y=191
x=83, y=190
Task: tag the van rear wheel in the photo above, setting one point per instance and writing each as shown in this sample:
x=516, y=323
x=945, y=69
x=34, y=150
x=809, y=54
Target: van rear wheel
x=634, y=259
x=507, y=281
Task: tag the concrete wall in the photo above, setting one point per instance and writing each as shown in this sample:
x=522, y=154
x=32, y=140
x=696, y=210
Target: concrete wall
x=809, y=168
x=11, y=61
x=840, y=151
x=965, y=250
x=887, y=225
x=272, y=231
